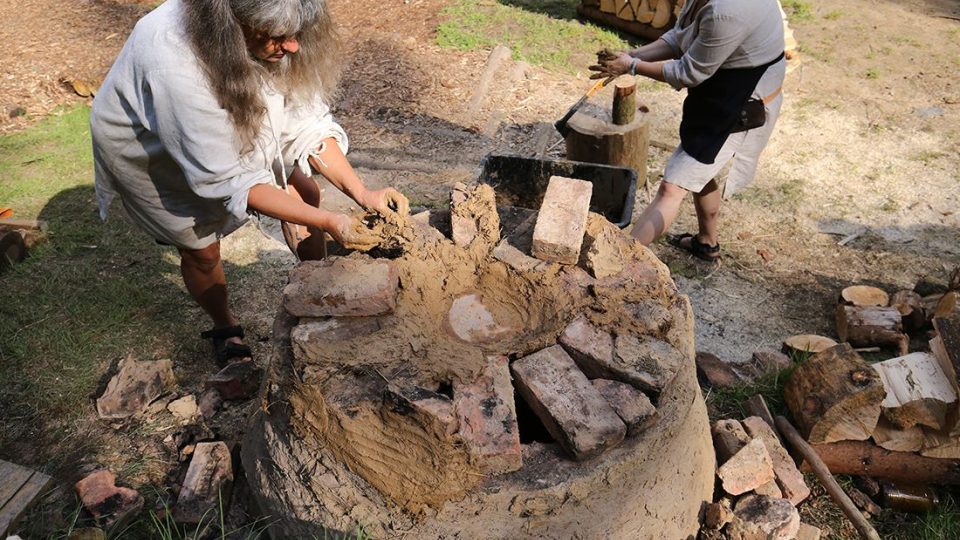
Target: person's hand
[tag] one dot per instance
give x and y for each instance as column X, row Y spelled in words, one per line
column 351, row 233
column 611, row 64
column 386, row 201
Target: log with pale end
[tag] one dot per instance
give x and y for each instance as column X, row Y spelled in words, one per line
column 864, row 295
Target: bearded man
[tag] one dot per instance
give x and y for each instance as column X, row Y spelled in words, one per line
column 216, row 109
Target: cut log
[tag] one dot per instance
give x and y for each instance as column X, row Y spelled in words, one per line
column 807, row 343
column 864, row 296
column 891, row 437
column 636, row 28
column 626, row 12
column 940, row 445
column 645, row 12
column 945, row 346
column 608, row 6
column 918, row 391
column 870, row 326
column 595, row 137
column 664, row 13
column 943, row 305
column 866, row 459
column 624, row 101
column 835, row 396
column 910, row 306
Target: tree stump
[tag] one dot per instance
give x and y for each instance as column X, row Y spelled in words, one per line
column 835, row 396
column 869, row 326
column 595, row 138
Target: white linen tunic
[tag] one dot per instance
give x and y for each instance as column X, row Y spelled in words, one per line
column 728, row 34
column 166, row 147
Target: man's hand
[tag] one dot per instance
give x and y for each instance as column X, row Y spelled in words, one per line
column 385, row 201
column 611, row 64
column 350, row 233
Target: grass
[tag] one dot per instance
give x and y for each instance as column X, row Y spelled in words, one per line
column 727, row 402
column 833, row 15
column 798, row 10
column 541, row 32
column 872, row 74
column 786, row 195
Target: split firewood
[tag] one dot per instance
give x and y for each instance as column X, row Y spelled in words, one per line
column 807, row 343
column 626, row 12
column 940, row 445
column 945, row 346
column 910, row 306
column 891, row 437
column 608, row 6
column 943, row 305
column 868, row 326
column 663, row 14
column 918, row 391
column 835, row 396
column 645, row 12
column 863, row 296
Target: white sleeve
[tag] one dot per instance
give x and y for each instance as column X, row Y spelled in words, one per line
column 305, row 127
column 718, row 37
column 199, row 136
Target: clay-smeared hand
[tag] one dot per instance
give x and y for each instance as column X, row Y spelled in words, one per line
column 351, row 233
column 611, row 64
column 386, row 201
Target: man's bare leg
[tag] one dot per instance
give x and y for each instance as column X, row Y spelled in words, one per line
column 657, row 217
column 202, row 272
column 707, row 204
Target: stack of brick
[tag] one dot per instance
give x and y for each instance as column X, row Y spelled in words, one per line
column 761, row 482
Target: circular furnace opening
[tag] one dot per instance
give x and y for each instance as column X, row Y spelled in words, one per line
column 452, row 385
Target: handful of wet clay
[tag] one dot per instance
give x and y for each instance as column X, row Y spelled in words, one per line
column 390, row 230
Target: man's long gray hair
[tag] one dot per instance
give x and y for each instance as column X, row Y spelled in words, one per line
column 237, row 78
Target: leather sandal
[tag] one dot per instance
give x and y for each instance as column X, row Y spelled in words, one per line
column 223, row 350
column 695, row 247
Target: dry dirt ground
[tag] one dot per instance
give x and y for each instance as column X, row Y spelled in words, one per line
column 867, row 145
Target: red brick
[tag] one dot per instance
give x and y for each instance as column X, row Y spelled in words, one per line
column 808, row 532
column 487, row 417
column 238, row 380
column 588, row 345
column 562, row 220
column 715, row 372
column 107, row 502
column 339, row 286
column 433, row 409
column 728, row 438
column 789, row 478
column 134, row 386
column 207, row 485
column 630, row 404
column 571, row 409
column 747, row 470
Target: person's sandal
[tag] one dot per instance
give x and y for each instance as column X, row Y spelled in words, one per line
column 698, row 249
column 224, row 350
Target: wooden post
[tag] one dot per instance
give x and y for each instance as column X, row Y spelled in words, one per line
column 624, row 101
column 827, row 480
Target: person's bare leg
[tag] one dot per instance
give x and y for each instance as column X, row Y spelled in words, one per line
column 313, row 245
column 202, row 272
column 657, row 217
column 707, row 204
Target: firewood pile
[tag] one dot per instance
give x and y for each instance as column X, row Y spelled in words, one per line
column 893, row 424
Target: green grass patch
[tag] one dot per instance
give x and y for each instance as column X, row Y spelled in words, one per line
column 872, row 74
column 539, row 32
column 798, row 10
column 91, row 293
column 833, row 15
column 786, row 195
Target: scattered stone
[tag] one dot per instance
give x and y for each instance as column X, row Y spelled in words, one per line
column 769, row 361
column 158, row 405
column 862, row 501
column 184, row 409
column 747, row 470
column 562, row 220
column 207, row 486
column 86, row 533
column 630, row 404
column 238, row 380
column 16, row 112
column 134, row 386
column 756, row 517
column 589, row 346
column 728, row 438
column 342, row 286
column 188, row 434
column 210, row 401
column 487, row 418
column 571, row 409
column 107, row 502
column 808, row 532
column 718, row 514
column 715, row 372
column 770, row 489
column 789, row 478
